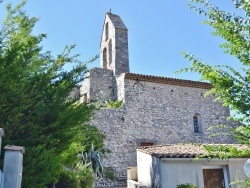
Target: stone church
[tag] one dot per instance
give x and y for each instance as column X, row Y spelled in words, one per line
column 155, row 110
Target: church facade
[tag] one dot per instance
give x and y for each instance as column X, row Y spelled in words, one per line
column 155, row 110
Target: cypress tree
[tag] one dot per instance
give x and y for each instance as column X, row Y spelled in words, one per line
column 35, row 109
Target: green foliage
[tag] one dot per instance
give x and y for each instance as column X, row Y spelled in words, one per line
column 114, row 104
column 230, row 86
column 109, row 174
column 187, row 185
column 94, row 158
column 35, row 110
column 81, row 170
column 86, row 178
column 108, row 103
column 91, row 138
column 79, row 177
column 240, row 183
column 226, row 151
column 43, row 163
column 242, row 134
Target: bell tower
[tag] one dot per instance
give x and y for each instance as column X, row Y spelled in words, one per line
column 114, row 45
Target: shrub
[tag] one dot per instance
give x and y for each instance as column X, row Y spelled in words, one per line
column 114, row 104
column 187, row 185
column 79, row 177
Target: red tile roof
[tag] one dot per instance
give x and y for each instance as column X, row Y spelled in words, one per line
column 166, row 80
column 183, row 150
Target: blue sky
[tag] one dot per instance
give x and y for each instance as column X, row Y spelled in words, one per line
column 158, row 32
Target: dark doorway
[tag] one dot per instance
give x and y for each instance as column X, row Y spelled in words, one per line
column 146, row 144
column 213, row 178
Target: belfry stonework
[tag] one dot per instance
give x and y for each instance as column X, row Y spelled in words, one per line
column 155, row 110
column 114, row 45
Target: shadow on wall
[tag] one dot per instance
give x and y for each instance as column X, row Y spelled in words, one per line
column 155, row 173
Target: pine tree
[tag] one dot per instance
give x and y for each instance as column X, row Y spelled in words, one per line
column 232, row 87
column 35, row 110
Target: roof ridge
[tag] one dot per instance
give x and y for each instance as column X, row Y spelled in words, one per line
column 168, row 80
column 181, row 150
column 127, row 73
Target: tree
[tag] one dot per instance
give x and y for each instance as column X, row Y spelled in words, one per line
column 229, row 85
column 35, row 109
column 232, row 87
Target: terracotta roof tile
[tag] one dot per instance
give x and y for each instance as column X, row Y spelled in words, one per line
column 166, row 80
column 182, row 150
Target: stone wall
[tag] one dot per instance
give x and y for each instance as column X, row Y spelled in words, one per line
column 121, row 55
column 152, row 112
column 107, row 41
column 159, row 113
column 120, row 87
column 85, row 88
column 114, row 45
column 99, row 85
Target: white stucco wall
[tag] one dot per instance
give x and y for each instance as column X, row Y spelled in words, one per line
column 169, row 172
column 236, row 170
column 175, row 171
column 120, row 87
column 181, row 171
column 144, row 164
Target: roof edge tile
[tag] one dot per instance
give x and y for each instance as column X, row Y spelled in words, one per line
column 167, row 80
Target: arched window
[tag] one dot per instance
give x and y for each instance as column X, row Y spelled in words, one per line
column 110, row 51
column 106, row 31
column 197, row 123
column 104, row 58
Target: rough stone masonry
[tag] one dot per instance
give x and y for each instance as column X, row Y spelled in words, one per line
column 155, row 110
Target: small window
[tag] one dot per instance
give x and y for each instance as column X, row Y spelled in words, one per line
column 107, row 31
column 146, row 144
column 104, row 58
column 110, row 51
column 197, row 123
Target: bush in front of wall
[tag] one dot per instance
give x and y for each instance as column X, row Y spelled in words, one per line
column 114, row 104
column 187, row 185
column 109, row 174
